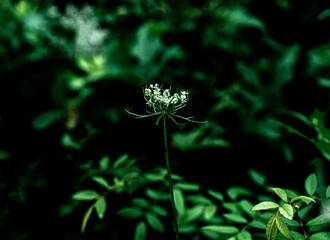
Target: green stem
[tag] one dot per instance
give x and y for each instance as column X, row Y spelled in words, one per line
column 169, row 175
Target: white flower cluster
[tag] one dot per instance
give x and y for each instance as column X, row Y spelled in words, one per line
column 162, row 100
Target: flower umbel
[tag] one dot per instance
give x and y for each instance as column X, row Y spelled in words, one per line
column 164, row 104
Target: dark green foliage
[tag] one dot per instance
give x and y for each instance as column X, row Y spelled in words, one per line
column 72, row 160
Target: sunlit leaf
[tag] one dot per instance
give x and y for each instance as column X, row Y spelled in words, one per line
column 282, row 228
column 281, row 193
column 305, row 199
column 287, row 211
column 271, row 228
column 265, row 206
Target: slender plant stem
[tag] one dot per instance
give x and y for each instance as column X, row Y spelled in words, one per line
column 169, row 175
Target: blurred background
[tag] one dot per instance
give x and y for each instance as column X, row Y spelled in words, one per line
column 70, row 69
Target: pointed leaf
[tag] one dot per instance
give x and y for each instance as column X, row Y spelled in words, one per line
column 317, row 221
column 179, row 201
column 215, row 194
column 321, row 236
column 85, row 195
column 140, row 231
column 305, row 199
column 271, row 228
column 311, row 184
column 283, row 229
column 154, row 222
column 265, row 206
column 86, row 217
column 100, row 207
column 187, row 186
column 235, row 217
column 257, row 177
column 287, row 211
column 281, row 193
column 101, row 181
column 221, row 229
column 130, row 212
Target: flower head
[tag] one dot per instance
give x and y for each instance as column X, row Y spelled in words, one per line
column 163, row 103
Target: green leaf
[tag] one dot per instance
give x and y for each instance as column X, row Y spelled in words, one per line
column 281, row 193
column 257, row 177
column 245, row 235
column 235, row 218
column 129, row 212
column 257, row 224
column 154, row 222
column 85, row 195
column 305, row 199
column 327, row 192
column 159, row 210
column 311, row 184
column 235, row 192
column 44, row 120
column 216, row 195
column 100, row 207
column 179, row 201
column 221, row 229
column 187, row 186
column 210, row 212
column 318, row 221
column 104, row 163
column 271, row 228
column 156, row 195
column 298, row 236
column 121, row 160
column 265, row 206
column 141, row 202
column 283, row 229
column 140, row 231
column 86, row 217
column 101, row 181
column 193, row 213
column 320, row 236
column 287, row 211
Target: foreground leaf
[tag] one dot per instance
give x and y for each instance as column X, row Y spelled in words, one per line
column 317, row 221
column 265, row 206
column 271, row 228
column 281, row 193
column 287, row 211
column 305, row 199
column 321, row 236
column 284, row 230
column 244, row 236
